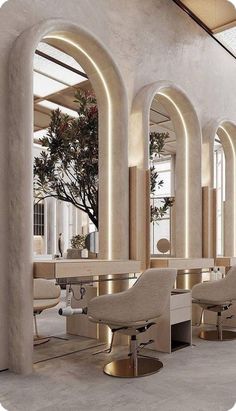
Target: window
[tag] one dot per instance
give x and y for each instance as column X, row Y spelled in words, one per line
column 39, row 219
column 162, row 228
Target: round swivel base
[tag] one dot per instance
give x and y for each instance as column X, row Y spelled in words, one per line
column 212, row 335
column 123, row 368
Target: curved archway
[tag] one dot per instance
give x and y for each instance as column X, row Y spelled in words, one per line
column 113, row 165
column 226, row 131
column 188, row 164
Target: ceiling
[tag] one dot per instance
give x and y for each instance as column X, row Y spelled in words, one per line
column 160, row 121
column 218, row 17
column 56, row 78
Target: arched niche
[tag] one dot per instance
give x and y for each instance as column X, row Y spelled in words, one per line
column 226, row 131
column 188, row 231
column 113, row 166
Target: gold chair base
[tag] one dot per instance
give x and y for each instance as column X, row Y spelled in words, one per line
column 212, row 335
column 124, row 368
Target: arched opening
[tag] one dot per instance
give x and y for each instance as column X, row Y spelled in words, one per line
column 219, row 166
column 113, row 170
column 187, row 169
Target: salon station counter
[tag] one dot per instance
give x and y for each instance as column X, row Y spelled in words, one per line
column 226, row 262
column 66, row 268
column 182, row 263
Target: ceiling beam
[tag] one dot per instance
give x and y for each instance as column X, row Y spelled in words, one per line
column 60, row 63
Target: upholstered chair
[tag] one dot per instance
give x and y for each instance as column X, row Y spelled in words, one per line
column 132, row 312
column 217, row 296
column 46, row 295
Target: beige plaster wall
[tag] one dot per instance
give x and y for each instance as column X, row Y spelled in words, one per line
column 149, row 40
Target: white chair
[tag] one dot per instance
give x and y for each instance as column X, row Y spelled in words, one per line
column 217, row 296
column 46, row 295
column 132, row 312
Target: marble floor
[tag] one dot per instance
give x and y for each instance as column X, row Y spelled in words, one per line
column 197, row 378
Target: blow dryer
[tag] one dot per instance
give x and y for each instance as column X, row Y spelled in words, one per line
column 68, row 311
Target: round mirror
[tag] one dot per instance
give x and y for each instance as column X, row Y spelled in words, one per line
column 163, row 245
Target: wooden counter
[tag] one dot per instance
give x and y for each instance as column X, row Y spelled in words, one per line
column 182, row 263
column 65, row 268
column 225, row 261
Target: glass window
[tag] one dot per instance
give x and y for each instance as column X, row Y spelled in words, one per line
column 59, row 55
column 44, row 86
column 162, row 228
column 51, row 69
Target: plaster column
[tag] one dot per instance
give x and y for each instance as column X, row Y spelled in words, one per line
column 20, row 184
column 51, row 226
column 113, row 179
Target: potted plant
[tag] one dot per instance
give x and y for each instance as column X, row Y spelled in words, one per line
column 77, row 245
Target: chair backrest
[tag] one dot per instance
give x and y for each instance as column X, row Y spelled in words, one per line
column 146, row 300
column 229, row 282
column 151, row 292
column 45, row 289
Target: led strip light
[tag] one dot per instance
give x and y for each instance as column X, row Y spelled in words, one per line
column 234, row 184
column 109, row 130
column 186, row 167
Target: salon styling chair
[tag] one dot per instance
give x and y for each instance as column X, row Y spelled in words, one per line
column 46, row 295
column 217, row 296
column 132, row 312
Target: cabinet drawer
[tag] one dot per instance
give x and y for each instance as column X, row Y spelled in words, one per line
column 180, row 300
column 180, row 314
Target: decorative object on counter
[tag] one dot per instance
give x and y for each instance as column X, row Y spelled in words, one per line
column 216, row 274
column 60, row 245
column 92, row 244
column 163, row 245
column 78, row 241
column 78, row 245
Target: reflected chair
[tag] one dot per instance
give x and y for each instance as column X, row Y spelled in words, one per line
column 46, row 295
column 217, row 296
column 132, row 312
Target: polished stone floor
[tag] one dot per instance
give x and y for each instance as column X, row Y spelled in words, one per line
column 197, row 378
